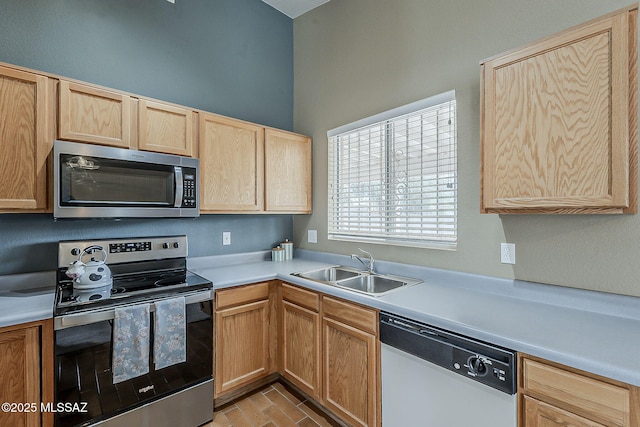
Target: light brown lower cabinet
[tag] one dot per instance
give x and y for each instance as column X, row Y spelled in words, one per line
column 244, row 333
column 552, row 395
column 326, row 347
column 301, row 339
column 26, row 357
column 350, row 362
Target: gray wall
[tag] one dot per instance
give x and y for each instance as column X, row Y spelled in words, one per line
column 29, row 242
column 233, row 57
column 355, row 58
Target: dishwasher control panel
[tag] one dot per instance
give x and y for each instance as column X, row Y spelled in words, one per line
column 486, row 363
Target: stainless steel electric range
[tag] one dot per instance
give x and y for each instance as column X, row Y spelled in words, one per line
column 94, row 314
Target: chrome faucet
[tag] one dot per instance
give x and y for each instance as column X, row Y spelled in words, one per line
column 368, row 264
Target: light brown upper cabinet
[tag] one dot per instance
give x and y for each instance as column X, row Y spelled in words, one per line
column 559, row 122
column 165, row 128
column 26, row 138
column 93, row 115
column 231, row 156
column 287, row 172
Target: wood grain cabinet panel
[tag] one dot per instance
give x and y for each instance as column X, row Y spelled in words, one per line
column 301, row 339
column 93, row 115
column 540, row 414
column 351, row 360
column 242, row 342
column 26, row 356
column 231, row 156
column 165, row 128
column 559, row 122
column 25, row 140
column 245, row 323
column 555, row 395
column 287, row 172
column 350, row 373
column 301, row 347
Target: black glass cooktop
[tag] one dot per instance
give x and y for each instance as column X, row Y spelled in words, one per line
column 133, row 282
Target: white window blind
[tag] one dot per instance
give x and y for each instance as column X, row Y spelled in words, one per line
column 392, row 177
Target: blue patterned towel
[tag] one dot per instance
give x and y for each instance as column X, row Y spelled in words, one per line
column 130, row 342
column 170, row 335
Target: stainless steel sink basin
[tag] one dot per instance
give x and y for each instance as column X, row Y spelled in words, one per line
column 329, row 275
column 375, row 284
column 358, row 281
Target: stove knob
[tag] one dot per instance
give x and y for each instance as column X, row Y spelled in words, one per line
column 165, row 245
column 75, row 251
column 176, row 245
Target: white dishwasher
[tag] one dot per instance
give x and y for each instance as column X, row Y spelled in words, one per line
column 435, row 378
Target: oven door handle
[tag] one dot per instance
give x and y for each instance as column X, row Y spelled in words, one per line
column 86, row 318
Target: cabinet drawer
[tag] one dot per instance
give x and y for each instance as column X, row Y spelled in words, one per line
column 304, row 298
column 580, row 393
column 351, row 314
column 241, row 295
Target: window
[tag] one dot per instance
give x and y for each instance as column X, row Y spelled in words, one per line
column 392, row 176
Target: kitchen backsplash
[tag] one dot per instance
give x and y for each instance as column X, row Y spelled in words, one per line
column 29, row 242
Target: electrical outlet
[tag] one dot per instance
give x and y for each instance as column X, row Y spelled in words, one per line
column 508, row 253
column 226, row 238
column 312, row 236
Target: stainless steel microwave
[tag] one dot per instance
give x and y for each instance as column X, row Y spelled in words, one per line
column 92, row 181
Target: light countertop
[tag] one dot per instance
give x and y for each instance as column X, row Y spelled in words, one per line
column 596, row 332
column 26, row 298
column 592, row 331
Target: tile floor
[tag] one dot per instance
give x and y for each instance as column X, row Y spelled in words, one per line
column 272, row 406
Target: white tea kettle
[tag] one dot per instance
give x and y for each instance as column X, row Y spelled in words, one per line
column 93, row 274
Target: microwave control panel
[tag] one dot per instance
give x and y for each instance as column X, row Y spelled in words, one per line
column 190, row 189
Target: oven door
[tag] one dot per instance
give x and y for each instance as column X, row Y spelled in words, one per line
column 84, row 381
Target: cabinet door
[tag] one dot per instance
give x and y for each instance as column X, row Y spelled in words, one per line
column 350, row 373
column 94, row 115
column 242, row 345
column 287, row 172
column 165, row 128
column 540, row 414
column 231, row 156
column 584, row 394
column 559, row 122
column 25, row 142
column 20, row 381
column 301, row 347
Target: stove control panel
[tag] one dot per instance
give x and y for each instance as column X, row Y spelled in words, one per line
column 129, row 247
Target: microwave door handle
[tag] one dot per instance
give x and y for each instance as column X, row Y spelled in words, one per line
column 179, row 186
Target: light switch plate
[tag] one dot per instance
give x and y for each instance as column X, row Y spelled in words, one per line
column 226, row 238
column 312, row 236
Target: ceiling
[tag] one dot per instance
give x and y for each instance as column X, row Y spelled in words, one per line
column 294, row 8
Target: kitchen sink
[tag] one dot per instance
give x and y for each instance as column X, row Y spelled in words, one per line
column 375, row 283
column 358, row 281
column 330, row 275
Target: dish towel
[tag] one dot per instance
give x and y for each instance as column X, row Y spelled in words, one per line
column 130, row 353
column 170, row 343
